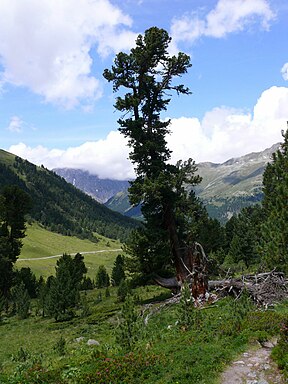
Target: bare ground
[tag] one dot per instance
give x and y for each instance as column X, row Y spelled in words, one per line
column 254, row 367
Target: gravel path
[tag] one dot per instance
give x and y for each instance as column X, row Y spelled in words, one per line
column 254, row 367
column 72, row 254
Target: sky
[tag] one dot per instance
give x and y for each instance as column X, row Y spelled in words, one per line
column 56, row 108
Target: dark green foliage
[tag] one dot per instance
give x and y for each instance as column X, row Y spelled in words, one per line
column 62, row 208
column 2, row 305
column 123, row 290
column 237, row 312
column 87, row 284
column 128, row 331
column 43, row 294
column 107, row 292
column 29, row 280
column 14, row 204
column 64, row 288
column 242, row 236
column 21, row 300
column 102, row 278
column 274, row 244
column 85, row 308
column 118, row 273
column 60, row 346
column 280, row 352
column 148, row 75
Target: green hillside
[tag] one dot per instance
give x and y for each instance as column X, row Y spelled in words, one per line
column 58, row 205
column 40, row 246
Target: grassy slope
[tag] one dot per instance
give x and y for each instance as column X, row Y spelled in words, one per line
column 41, row 243
column 6, row 157
column 165, row 353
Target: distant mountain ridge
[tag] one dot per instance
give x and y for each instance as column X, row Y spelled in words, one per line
column 228, row 187
column 100, row 189
column 224, row 190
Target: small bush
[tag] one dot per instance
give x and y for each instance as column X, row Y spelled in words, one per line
column 60, row 346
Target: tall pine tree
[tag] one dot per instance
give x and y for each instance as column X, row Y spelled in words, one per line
column 148, row 75
column 14, row 204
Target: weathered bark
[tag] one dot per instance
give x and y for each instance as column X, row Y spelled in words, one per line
column 190, row 263
column 264, row 288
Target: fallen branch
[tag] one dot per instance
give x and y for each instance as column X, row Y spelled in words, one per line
column 265, row 288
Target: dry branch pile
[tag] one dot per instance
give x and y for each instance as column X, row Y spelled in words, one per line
column 264, row 288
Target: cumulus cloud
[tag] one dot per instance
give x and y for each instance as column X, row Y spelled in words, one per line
column 284, row 71
column 223, row 133
column 226, row 132
column 107, row 158
column 47, row 45
column 15, row 125
column 227, row 17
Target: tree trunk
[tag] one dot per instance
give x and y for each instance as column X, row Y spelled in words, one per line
column 190, row 262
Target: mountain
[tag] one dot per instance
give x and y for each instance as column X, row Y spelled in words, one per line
column 225, row 188
column 237, row 183
column 100, row 189
column 58, row 205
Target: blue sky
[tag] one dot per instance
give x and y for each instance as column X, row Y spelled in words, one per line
column 57, row 110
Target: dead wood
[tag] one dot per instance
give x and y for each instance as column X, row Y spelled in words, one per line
column 264, row 288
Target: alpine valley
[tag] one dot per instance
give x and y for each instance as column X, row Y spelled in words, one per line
column 225, row 188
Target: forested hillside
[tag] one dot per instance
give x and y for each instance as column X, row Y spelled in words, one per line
column 58, row 205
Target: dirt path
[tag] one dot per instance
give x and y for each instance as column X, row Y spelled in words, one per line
column 72, row 254
column 254, row 367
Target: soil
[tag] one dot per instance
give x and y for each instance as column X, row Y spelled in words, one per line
column 254, row 367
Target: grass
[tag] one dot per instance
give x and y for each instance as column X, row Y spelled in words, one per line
column 164, row 352
column 6, row 157
column 40, row 243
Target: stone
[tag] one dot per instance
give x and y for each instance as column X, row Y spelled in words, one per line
column 93, row 342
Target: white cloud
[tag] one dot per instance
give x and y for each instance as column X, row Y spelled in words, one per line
column 284, row 71
column 47, row 45
column 227, row 17
column 222, row 134
column 15, row 125
column 226, row 132
column 108, row 158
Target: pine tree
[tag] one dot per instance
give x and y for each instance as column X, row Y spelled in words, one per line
column 129, row 329
column 274, row 245
column 14, row 204
column 64, row 288
column 102, row 278
column 148, row 74
column 118, row 273
column 21, row 300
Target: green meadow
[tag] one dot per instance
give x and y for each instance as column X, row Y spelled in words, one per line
column 40, row 244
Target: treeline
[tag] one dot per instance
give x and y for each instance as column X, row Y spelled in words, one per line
column 62, row 208
column 59, row 296
column 255, row 240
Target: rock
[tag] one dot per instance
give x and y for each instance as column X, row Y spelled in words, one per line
column 268, row 344
column 266, row 367
column 240, row 362
column 78, row 339
column 93, row 342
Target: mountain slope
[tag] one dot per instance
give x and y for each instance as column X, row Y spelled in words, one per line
column 101, row 189
column 225, row 188
column 58, row 205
